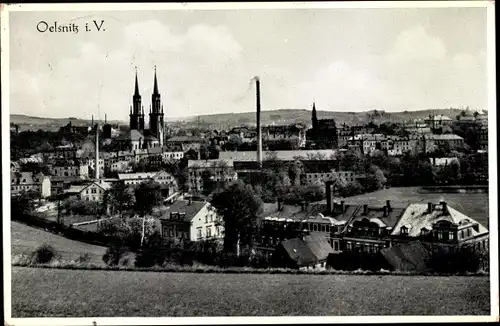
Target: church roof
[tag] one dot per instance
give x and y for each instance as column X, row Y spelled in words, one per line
column 132, row 135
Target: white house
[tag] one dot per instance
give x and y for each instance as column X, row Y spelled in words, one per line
column 93, row 191
column 192, row 221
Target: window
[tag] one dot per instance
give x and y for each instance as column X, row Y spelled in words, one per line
column 462, row 234
column 209, row 232
column 440, row 235
column 468, row 232
column 198, row 233
column 336, row 246
column 451, row 236
column 93, row 190
column 315, row 227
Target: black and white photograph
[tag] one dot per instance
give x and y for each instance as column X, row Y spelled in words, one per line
column 254, row 162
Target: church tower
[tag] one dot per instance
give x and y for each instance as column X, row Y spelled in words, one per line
column 314, row 117
column 156, row 121
column 136, row 110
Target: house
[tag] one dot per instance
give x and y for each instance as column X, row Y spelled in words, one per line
column 289, row 155
column 439, row 224
column 322, row 177
column 22, row 182
column 186, row 143
column 191, row 221
column 70, row 169
column 436, row 121
column 369, row 228
column 308, row 251
column 89, row 191
column 219, row 171
column 161, row 177
column 275, row 133
column 432, row 142
column 443, row 161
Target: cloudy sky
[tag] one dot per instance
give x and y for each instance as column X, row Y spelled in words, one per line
column 344, row 59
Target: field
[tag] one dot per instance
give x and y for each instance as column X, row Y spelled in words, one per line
column 473, row 205
column 25, row 239
column 83, row 293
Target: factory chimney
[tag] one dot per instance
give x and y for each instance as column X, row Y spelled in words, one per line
column 259, row 132
column 96, row 165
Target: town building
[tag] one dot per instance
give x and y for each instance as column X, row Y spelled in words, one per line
column 188, row 220
column 24, row 182
column 431, row 142
column 186, row 143
column 162, row 177
column 439, row 223
column 274, row 134
column 217, row 171
column 93, row 191
column 290, row 155
column 437, row 121
column 70, row 169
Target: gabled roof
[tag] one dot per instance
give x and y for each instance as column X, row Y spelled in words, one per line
column 416, row 217
column 183, row 206
column 76, row 189
column 311, row 250
column 408, row 257
column 26, row 178
column 376, row 215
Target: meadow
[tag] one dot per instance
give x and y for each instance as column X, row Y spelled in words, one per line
column 38, row 292
column 25, row 239
column 474, row 205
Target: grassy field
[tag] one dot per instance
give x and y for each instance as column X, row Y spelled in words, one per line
column 25, row 239
column 473, row 205
column 79, row 293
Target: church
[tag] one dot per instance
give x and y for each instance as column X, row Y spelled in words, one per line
column 138, row 137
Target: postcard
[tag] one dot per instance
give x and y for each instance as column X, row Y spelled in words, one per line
column 292, row 162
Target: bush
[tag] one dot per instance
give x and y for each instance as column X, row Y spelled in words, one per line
column 84, row 258
column 44, row 254
column 114, row 255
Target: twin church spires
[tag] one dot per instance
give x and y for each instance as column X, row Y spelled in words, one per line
column 156, row 116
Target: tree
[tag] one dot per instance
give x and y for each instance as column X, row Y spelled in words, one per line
column 120, row 198
column 375, row 179
column 22, row 205
column 147, row 195
column 238, row 205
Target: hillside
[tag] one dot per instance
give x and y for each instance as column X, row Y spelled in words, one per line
column 289, row 116
column 25, row 239
column 228, row 120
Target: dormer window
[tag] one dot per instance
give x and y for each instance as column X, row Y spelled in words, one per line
column 404, row 230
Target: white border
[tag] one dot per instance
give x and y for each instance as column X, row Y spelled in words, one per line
column 493, row 207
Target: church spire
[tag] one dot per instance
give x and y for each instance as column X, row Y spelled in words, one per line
column 155, row 91
column 136, row 93
column 314, row 117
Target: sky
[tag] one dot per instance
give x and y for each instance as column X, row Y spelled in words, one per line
column 343, row 59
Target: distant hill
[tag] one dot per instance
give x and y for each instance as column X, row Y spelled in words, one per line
column 229, row 120
column 289, row 116
column 29, row 122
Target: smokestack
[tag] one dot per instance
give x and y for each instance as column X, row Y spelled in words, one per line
column 365, row 209
column 388, row 204
column 280, row 204
column 342, row 206
column 429, row 207
column 92, row 121
column 329, row 201
column 385, row 211
column 96, row 165
column 259, row 132
column 105, row 118
column 445, row 207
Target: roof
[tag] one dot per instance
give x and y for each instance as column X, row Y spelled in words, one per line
column 281, row 155
column 76, row 189
column 182, row 206
column 408, row 257
column 137, row 175
column 312, row 249
column 155, row 150
column 299, row 251
column 186, row 139
column 416, row 217
column 376, row 215
column 443, row 137
column 438, row 117
column 29, row 177
column 312, row 213
column 210, row 163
